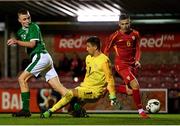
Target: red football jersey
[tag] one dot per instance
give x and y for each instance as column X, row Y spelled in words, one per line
column 126, row 47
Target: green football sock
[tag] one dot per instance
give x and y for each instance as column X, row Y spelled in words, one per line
column 25, row 99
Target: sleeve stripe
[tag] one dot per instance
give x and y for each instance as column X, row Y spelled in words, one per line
column 34, row 39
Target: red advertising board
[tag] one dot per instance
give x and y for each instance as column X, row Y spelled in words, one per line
column 42, row 99
column 148, row 42
column 160, row 42
column 75, row 42
column 11, row 100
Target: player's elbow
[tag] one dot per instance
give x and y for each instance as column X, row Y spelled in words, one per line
column 32, row 44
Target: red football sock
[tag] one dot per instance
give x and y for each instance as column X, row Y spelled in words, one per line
column 137, row 98
column 122, row 89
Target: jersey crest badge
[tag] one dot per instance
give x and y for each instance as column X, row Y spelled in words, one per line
column 133, row 37
column 23, row 36
column 128, row 77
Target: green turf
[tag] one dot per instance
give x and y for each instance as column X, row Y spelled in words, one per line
column 94, row 119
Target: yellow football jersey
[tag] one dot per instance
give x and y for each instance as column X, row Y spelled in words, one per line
column 98, row 73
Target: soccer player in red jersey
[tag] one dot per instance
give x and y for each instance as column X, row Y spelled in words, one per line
column 125, row 42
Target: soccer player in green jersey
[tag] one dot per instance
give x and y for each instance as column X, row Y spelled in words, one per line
column 98, row 78
column 29, row 36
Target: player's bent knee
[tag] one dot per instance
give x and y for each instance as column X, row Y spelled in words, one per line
column 134, row 84
column 21, row 80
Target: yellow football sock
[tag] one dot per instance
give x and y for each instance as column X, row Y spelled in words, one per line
column 63, row 101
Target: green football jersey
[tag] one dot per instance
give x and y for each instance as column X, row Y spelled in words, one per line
column 32, row 33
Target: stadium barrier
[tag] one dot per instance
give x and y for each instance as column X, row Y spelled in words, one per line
column 42, row 99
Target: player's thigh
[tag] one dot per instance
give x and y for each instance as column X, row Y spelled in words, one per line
column 51, row 73
column 88, row 93
column 127, row 75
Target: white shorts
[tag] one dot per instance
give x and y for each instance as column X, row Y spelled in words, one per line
column 42, row 63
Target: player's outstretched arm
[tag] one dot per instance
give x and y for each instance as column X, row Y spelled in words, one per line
column 14, row 41
column 109, row 80
column 111, row 85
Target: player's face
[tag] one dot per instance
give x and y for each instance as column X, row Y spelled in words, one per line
column 91, row 49
column 24, row 19
column 124, row 25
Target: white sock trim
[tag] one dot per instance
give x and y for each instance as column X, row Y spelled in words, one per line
column 140, row 110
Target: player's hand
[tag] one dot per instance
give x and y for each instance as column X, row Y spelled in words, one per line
column 116, row 104
column 137, row 64
column 113, row 102
column 112, row 97
column 12, row 41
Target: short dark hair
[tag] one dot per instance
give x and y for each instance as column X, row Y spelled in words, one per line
column 22, row 11
column 94, row 41
column 124, row 16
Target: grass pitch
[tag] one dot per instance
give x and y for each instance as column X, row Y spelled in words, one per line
column 94, row 119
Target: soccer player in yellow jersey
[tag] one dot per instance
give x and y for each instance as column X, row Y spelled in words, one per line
column 98, row 78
